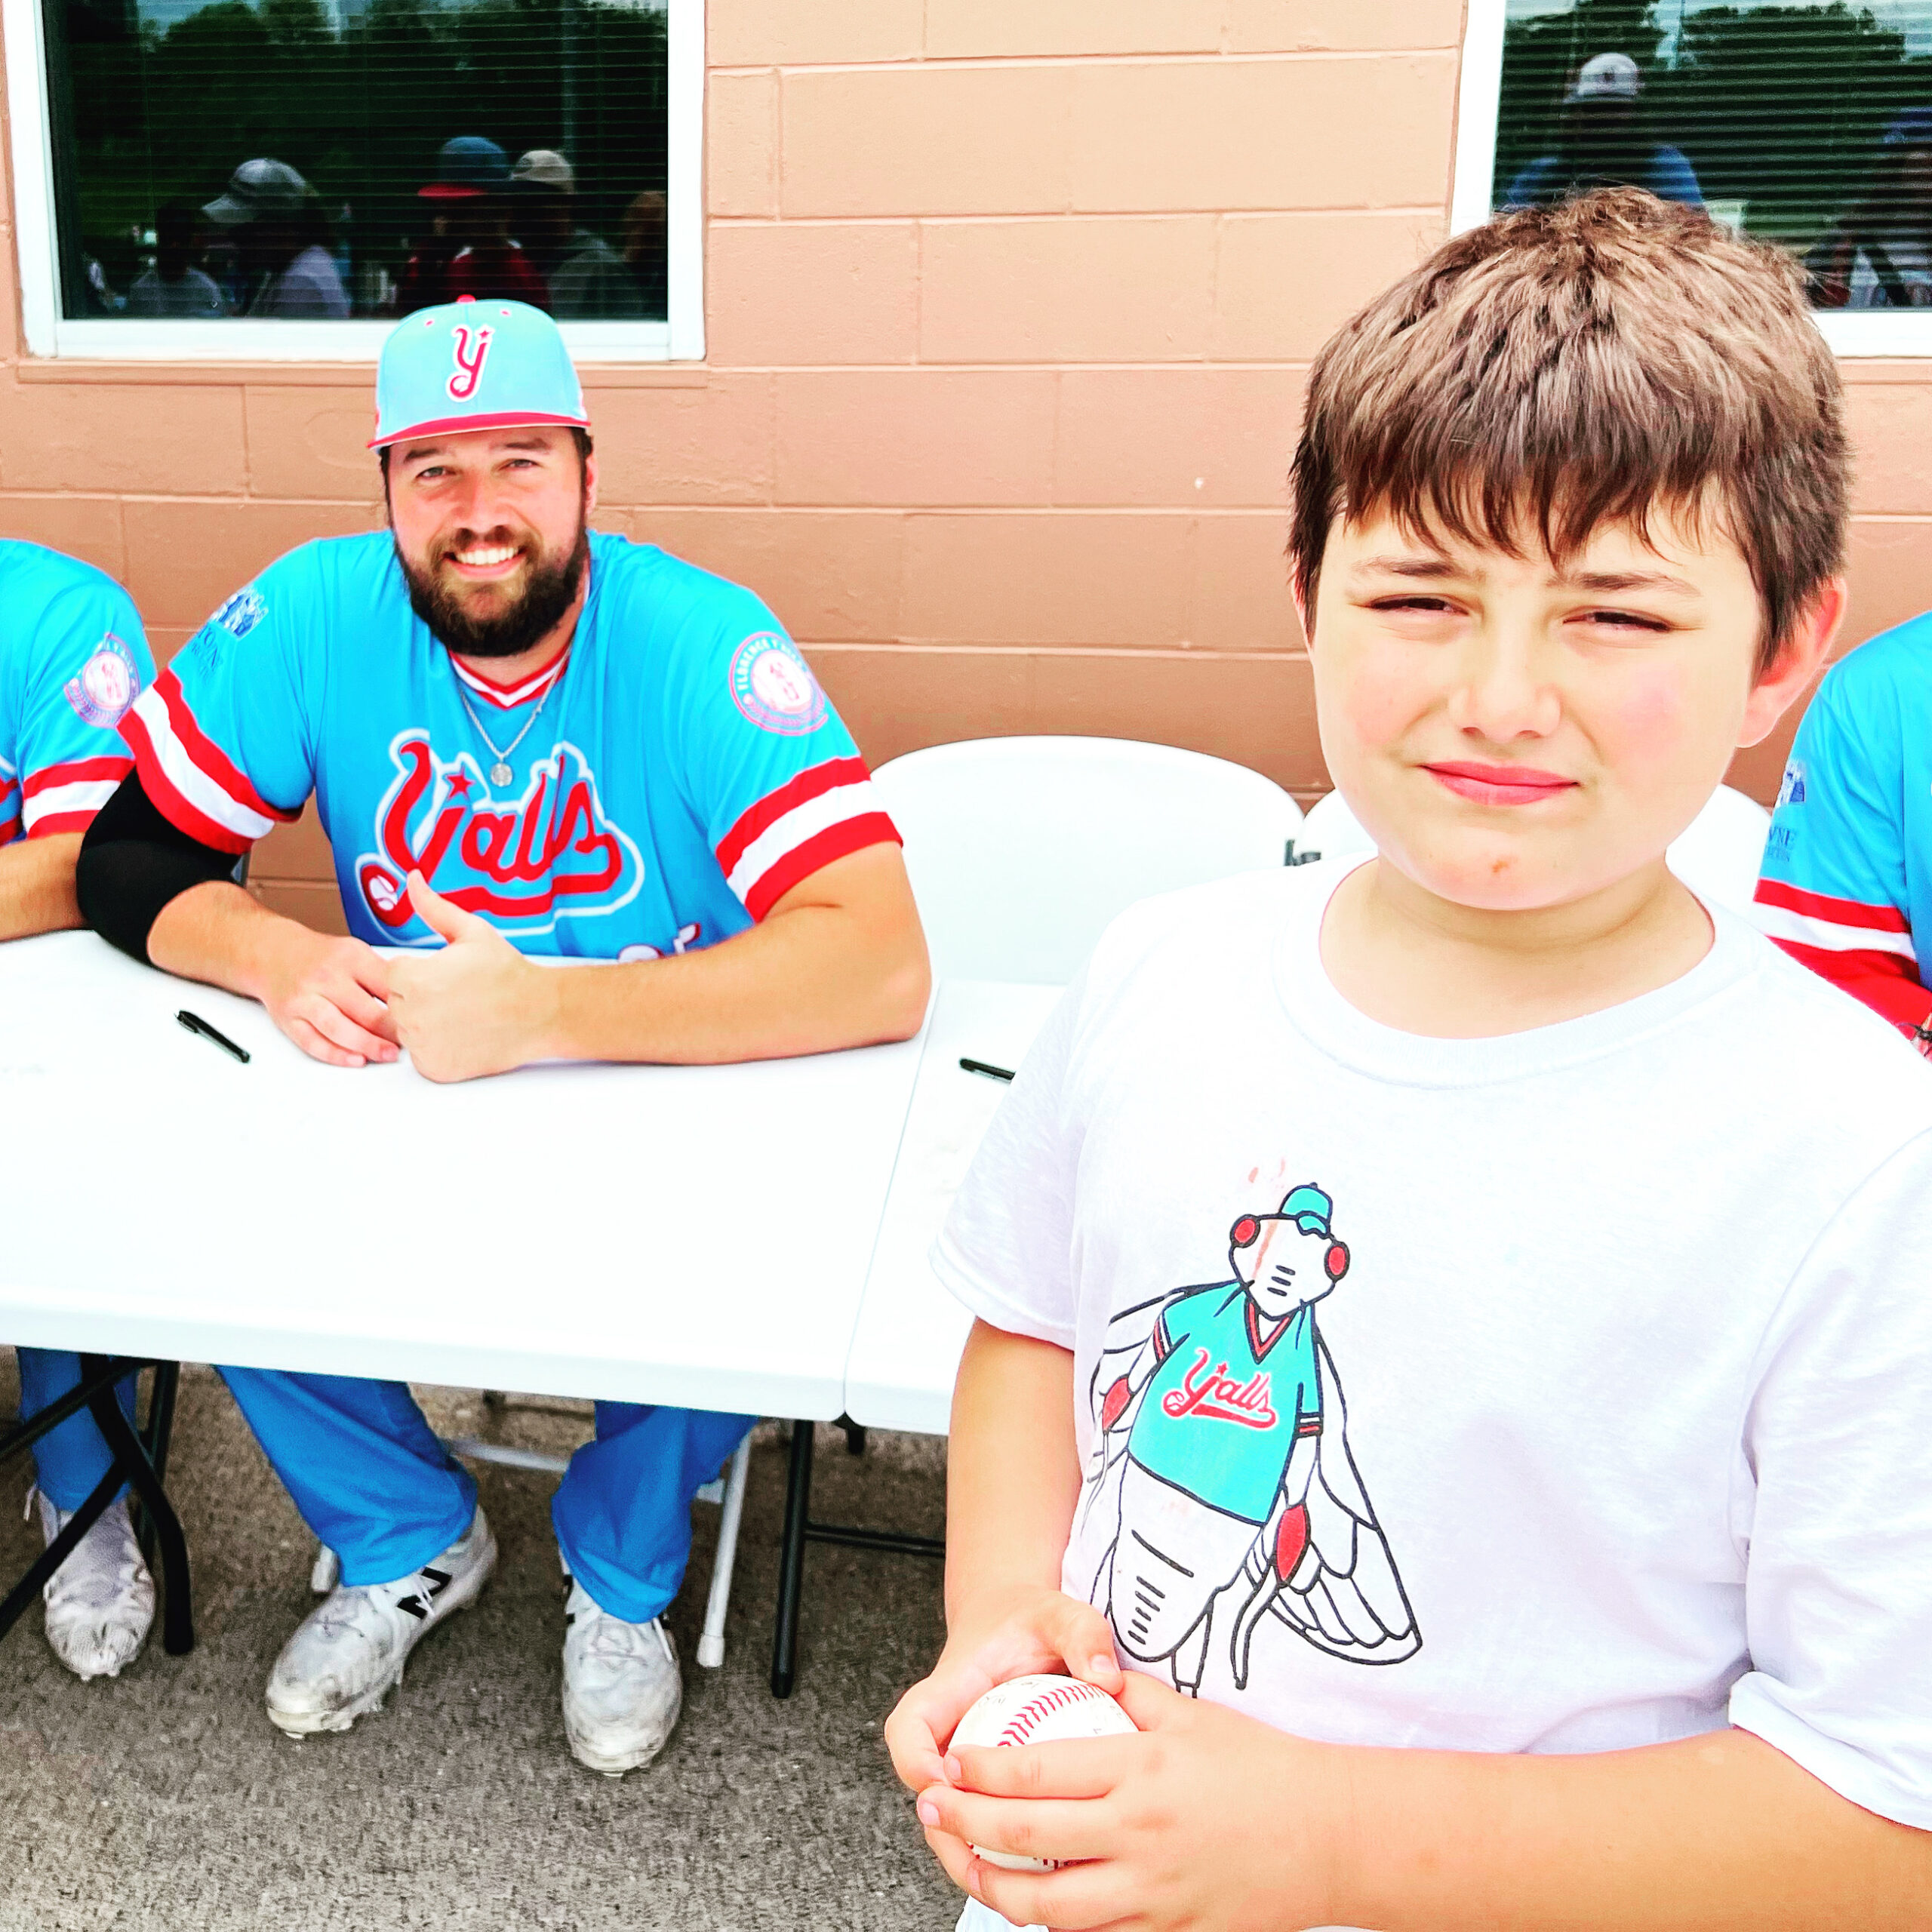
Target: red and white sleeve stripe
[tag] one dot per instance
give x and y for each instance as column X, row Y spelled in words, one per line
column 823, row 814
column 10, row 805
column 1818, row 923
column 1866, row 951
column 64, row 798
column 193, row 782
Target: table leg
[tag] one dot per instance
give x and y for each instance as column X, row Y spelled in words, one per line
column 155, row 1438
column 792, row 1560
column 126, row 1448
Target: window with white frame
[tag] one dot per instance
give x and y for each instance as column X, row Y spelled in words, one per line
column 247, row 179
column 1807, row 122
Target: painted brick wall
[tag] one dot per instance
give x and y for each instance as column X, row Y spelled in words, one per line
column 1009, row 304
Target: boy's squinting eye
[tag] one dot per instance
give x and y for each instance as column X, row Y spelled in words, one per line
column 1621, row 620
column 1429, row 606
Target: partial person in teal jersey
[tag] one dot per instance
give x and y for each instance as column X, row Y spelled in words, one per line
column 73, row 661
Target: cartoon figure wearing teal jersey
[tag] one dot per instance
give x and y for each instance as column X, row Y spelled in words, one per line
column 1223, row 1436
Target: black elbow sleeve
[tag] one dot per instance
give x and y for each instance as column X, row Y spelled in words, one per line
column 133, row 862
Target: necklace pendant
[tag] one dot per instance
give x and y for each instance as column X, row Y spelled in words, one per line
column 500, row 774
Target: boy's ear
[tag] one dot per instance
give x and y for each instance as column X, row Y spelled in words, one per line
column 1790, row 673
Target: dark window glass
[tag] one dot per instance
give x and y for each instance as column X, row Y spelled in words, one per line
column 217, row 157
column 1806, row 122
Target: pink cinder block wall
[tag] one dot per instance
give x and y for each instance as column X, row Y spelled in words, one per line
column 1009, row 306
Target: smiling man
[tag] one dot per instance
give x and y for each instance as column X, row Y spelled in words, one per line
column 525, row 739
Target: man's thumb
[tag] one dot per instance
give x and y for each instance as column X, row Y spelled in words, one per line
column 435, row 911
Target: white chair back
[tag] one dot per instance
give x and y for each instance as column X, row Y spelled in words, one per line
column 1718, row 854
column 1022, row 850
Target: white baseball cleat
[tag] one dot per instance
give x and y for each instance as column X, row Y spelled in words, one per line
column 622, row 1691
column 101, row 1602
column 347, row 1654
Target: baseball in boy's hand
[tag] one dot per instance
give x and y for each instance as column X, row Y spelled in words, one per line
column 1038, row 1710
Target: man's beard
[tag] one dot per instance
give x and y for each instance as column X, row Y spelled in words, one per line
column 550, row 591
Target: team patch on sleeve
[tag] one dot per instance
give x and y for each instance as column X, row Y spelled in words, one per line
column 241, row 613
column 104, row 689
column 824, row 813
column 773, row 686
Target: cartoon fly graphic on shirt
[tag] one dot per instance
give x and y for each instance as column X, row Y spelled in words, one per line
column 1223, row 1436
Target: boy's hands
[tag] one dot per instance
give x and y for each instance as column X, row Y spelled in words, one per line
column 1207, row 1818
column 1020, row 1630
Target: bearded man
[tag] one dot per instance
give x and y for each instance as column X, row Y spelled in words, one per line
column 525, row 739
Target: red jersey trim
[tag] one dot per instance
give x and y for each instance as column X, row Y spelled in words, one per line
column 1883, row 981
column 167, row 800
column 835, row 841
column 1823, row 905
column 53, row 823
column 78, row 771
column 208, row 757
column 507, row 697
column 811, row 783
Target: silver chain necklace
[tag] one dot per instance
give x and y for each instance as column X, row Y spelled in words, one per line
column 500, row 774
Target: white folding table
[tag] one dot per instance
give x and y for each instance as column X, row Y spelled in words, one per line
column 905, row 1345
column 696, row 1235
column 910, row 1330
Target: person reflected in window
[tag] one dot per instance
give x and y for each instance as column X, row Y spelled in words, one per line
column 1878, row 254
column 589, row 280
column 1603, row 140
column 176, row 285
column 470, row 251
column 645, row 229
column 284, row 242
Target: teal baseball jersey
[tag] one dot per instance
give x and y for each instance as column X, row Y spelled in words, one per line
column 1847, row 888
column 659, row 787
column 1222, row 1410
column 73, row 660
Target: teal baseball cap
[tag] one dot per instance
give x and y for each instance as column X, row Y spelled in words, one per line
column 475, row 365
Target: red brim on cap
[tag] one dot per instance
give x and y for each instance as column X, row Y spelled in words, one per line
column 461, row 425
column 448, row 191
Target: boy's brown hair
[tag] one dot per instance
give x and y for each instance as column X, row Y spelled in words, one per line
column 1560, row 368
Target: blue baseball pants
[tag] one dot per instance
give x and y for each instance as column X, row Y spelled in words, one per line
column 371, row 1480
column 69, row 1460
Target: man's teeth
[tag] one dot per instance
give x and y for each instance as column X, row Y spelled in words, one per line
column 483, row 558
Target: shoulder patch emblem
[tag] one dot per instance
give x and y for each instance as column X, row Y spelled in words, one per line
column 241, row 613
column 1791, row 789
column 773, row 686
column 103, row 692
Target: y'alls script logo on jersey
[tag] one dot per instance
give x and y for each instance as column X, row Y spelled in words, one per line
column 550, row 855
column 775, row 687
column 472, row 346
column 103, row 692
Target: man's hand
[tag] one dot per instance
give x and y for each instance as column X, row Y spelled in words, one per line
column 476, row 1008
column 1207, row 1819
column 328, row 994
column 1040, row 1630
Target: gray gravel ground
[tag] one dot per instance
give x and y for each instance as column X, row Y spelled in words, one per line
column 164, row 1799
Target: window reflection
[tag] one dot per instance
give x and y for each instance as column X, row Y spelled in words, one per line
column 311, row 160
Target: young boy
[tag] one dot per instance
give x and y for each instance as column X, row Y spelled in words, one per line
column 1455, row 1327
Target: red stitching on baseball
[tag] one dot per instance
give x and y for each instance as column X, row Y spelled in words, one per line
column 1041, row 1705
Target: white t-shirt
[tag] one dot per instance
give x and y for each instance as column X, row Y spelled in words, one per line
column 1583, row 1397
